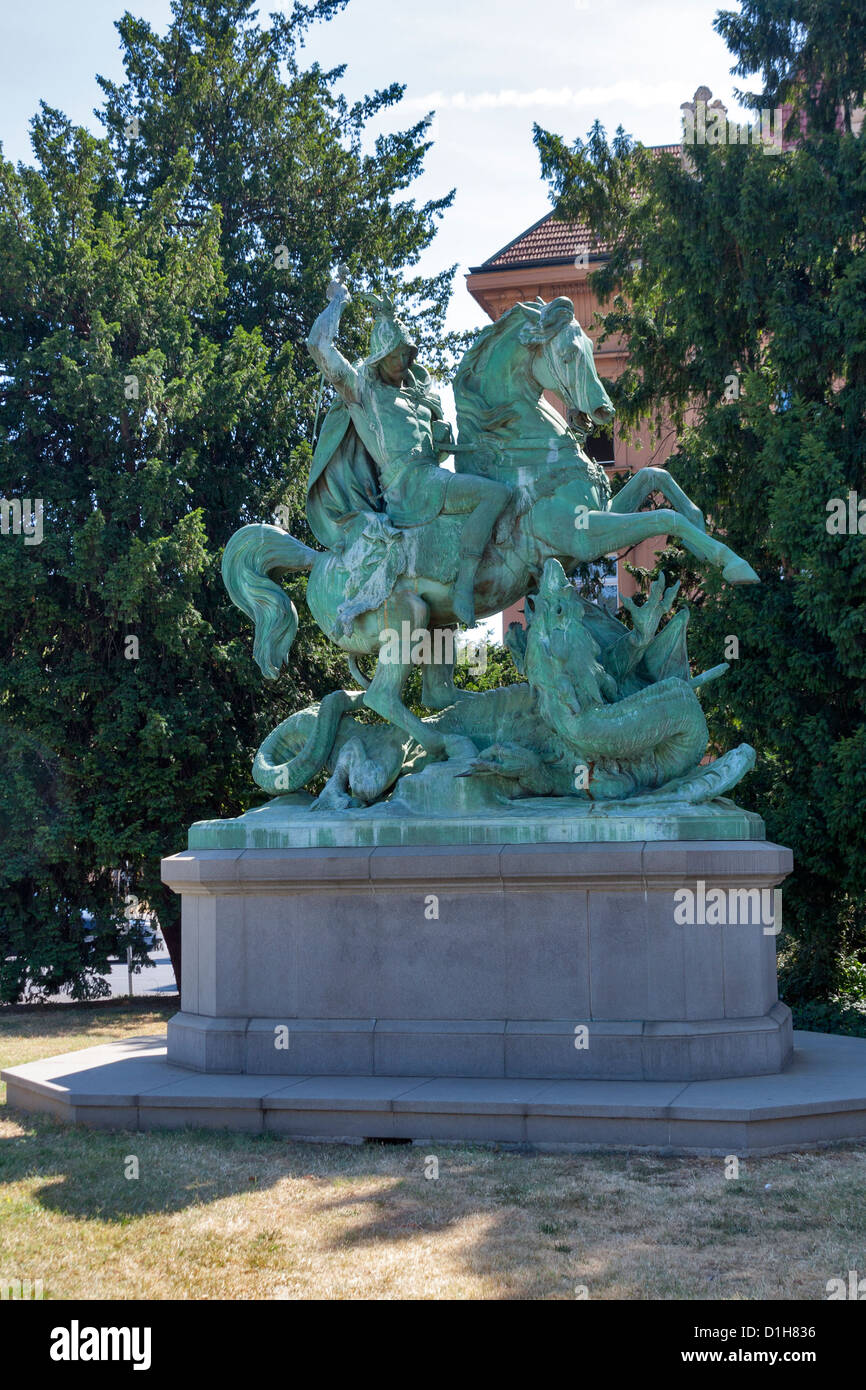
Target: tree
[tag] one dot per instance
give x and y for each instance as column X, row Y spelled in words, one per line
column 155, row 392
column 280, row 151
column 738, row 279
column 809, row 55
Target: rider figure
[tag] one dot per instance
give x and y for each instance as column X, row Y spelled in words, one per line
column 399, row 420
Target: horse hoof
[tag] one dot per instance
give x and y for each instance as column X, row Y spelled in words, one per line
column 739, row 571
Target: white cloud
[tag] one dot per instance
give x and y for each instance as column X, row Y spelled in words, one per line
column 639, row 94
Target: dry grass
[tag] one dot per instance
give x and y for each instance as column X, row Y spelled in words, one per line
column 226, row 1216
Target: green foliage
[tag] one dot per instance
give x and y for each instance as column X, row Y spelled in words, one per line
column 823, row 1016
column 155, row 392
column 498, row 669
column 277, row 148
column 809, row 54
column 738, row 280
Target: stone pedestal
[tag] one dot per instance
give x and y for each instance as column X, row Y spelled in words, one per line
column 483, row 961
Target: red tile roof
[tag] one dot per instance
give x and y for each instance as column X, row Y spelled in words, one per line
column 550, row 242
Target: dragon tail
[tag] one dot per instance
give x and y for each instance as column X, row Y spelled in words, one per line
column 284, row 763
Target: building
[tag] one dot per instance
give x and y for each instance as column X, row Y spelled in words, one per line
column 555, row 258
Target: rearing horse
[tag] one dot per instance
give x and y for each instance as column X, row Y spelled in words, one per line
column 562, row 510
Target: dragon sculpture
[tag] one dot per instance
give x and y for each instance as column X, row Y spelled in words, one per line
column 606, row 713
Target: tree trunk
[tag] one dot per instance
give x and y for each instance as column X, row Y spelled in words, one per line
column 169, row 921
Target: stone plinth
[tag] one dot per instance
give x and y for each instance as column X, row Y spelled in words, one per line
column 477, row 818
column 484, row 961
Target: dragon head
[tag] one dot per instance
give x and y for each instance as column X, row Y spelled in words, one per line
column 561, row 658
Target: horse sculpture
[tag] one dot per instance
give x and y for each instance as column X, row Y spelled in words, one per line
column 383, row 578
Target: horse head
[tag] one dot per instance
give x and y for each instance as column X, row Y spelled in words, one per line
column 563, row 361
column 532, row 348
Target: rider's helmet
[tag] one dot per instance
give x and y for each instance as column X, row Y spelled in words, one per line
column 388, row 335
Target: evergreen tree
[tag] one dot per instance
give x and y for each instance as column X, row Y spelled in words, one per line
column 157, row 286
column 739, row 280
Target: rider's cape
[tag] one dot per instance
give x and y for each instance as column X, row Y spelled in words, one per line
column 344, row 479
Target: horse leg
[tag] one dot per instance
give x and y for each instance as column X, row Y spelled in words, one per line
column 484, row 499
column 632, row 496
column 385, row 692
column 601, row 532
column 437, row 679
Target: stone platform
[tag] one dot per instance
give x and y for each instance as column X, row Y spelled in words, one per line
column 563, row 961
column 478, row 818
column 819, row 1099
column 522, row 992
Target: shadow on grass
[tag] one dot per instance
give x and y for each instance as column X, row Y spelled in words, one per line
column 89, row 1174
column 518, row 1227
column 82, row 1173
column 528, row 1225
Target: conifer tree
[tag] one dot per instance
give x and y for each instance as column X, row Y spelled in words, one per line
column 738, row 277
column 155, row 393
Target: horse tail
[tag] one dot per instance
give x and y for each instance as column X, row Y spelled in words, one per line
column 287, row 759
column 253, row 554
column 358, row 673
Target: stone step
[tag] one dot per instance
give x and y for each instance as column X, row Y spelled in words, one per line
column 819, row 1099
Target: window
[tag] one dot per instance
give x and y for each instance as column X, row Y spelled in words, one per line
column 599, row 447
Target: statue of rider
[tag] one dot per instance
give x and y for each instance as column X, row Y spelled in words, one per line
column 388, row 412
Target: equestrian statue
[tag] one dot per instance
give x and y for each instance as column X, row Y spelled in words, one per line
column 409, row 545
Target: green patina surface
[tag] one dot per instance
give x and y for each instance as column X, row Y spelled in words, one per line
column 287, row 823
column 605, row 738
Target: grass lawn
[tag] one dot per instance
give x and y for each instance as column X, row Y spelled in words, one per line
column 228, row 1216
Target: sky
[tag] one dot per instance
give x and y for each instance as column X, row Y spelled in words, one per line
column 489, row 68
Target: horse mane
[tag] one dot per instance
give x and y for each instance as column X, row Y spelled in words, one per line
column 474, row 416
column 475, row 357
column 533, row 324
